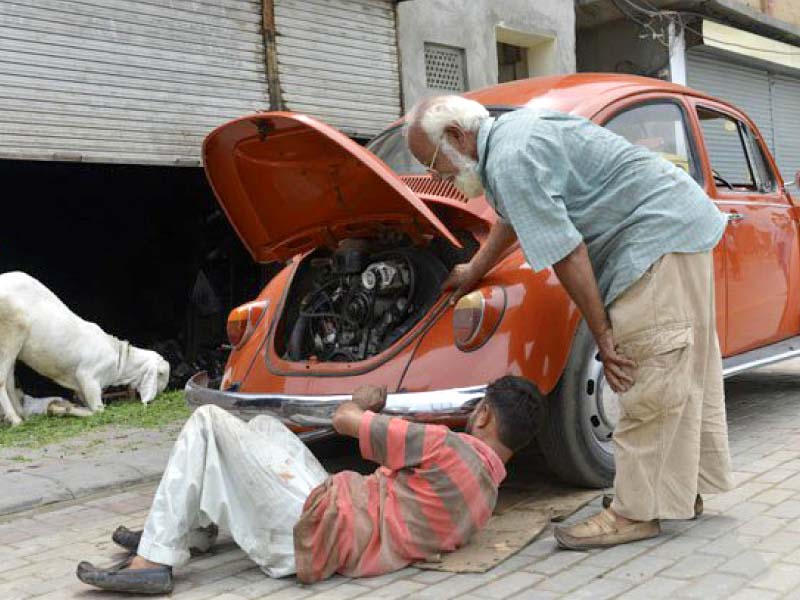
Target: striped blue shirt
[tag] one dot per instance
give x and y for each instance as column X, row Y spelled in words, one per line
column 560, row 179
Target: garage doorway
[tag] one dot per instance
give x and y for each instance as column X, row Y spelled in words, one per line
column 143, row 251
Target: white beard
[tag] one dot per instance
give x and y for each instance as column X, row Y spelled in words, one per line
column 468, row 181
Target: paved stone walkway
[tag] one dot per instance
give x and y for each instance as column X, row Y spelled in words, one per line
column 747, row 545
column 101, row 460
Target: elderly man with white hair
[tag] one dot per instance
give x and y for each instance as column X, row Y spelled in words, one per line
column 629, row 236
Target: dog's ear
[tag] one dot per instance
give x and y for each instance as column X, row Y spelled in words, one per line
column 148, row 386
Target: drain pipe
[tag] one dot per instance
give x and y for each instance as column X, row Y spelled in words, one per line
column 271, row 55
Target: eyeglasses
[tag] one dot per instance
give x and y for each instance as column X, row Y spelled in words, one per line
column 430, row 168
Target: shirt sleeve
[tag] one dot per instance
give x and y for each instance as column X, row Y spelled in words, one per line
column 527, row 183
column 501, row 215
column 397, row 443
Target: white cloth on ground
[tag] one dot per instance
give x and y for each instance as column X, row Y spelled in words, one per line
column 249, row 478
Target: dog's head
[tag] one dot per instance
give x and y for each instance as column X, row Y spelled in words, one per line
column 154, row 378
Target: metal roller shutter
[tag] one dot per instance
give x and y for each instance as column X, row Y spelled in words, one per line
column 771, row 100
column 744, row 87
column 786, row 110
column 128, row 81
column 337, row 60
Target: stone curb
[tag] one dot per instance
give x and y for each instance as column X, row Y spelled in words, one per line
column 35, row 486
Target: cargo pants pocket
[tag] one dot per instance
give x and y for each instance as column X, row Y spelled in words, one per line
column 662, row 378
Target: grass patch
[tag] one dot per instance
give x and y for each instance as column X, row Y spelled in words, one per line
column 39, row 430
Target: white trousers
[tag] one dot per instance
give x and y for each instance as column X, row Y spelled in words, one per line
column 249, row 478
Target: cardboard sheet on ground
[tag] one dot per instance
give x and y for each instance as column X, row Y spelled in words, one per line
column 524, row 508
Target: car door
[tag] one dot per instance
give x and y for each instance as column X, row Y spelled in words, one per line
column 760, row 241
column 661, row 123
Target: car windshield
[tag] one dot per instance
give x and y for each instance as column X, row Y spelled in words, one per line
column 390, row 146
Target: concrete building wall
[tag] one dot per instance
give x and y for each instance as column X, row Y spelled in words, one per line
column 788, row 10
column 475, row 26
column 785, row 10
column 618, row 47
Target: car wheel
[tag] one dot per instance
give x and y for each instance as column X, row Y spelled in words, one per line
column 580, row 419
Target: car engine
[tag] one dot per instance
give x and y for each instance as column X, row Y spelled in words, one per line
column 355, row 302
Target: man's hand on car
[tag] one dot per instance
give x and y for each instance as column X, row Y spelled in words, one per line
column 370, row 397
column 462, row 279
column 347, row 418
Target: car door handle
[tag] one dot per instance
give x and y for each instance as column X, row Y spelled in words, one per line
column 735, row 217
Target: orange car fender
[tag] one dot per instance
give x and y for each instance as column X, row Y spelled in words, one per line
column 533, row 338
column 241, row 360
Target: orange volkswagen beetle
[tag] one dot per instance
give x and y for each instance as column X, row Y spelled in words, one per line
column 367, row 238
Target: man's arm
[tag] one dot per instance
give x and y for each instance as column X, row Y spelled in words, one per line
column 575, row 273
column 347, row 418
column 390, row 441
column 464, row 277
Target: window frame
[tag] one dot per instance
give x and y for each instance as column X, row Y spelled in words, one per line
column 744, row 127
column 757, row 154
column 616, row 110
column 754, row 177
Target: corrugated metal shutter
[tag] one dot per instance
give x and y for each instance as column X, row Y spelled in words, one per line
column 131, row 81
column 744, row 87
column 337, row 61
column 786, row 110
column 771, row 100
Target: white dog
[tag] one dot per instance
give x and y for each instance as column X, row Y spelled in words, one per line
column 38, row 329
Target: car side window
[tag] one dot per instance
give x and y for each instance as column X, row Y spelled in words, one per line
column 766, row 180
column 660, row 127
column 737, row 161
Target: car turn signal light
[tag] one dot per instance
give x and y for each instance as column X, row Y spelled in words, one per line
column 243, row 320
column 476, row 317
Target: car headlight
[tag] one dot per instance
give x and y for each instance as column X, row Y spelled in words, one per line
column 476, row 317
column 243, row 320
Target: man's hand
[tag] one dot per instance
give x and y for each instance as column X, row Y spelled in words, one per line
column 370, row 397
column 615, row 365
column 462, row 279
column 347, row 417
column 575, row 273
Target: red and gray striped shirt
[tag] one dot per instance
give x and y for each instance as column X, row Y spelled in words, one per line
column 435, row 488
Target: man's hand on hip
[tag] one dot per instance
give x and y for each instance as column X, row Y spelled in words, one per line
column 615, row 365
column 575, row 273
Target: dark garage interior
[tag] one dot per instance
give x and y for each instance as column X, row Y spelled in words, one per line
column 143, row 251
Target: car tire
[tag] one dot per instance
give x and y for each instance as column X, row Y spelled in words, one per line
column 576, row 434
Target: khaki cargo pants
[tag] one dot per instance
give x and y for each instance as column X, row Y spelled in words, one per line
column 671, row 440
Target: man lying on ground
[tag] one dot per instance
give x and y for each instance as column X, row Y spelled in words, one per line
column 434, row 490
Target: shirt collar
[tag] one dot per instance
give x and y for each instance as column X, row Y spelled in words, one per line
column 483, row 138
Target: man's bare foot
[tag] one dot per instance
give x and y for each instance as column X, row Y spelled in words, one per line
column 140, row 562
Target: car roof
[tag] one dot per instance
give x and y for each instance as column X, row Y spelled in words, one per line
column 578, row 93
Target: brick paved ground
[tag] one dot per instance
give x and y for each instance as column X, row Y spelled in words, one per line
column 747, row 545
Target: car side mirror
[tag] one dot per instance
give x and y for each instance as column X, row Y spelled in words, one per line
column 796, row 182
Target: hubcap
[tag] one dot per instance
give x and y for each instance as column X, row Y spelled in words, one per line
column 601, row 404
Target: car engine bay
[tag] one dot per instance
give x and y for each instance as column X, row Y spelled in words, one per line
column 350, row 304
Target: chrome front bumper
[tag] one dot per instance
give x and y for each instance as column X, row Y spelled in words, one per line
column 449, row 405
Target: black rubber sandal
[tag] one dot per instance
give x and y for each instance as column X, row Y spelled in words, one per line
column 118, row 578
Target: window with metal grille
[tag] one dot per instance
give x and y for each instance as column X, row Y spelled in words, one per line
column 445, row 68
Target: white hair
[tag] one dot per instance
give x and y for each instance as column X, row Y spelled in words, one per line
column 437, row 113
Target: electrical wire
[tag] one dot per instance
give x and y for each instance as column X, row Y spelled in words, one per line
column 654, row 13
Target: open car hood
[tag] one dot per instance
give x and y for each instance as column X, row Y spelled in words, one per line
column 289, row 183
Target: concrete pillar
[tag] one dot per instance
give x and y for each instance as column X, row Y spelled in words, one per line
column 677, row 55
